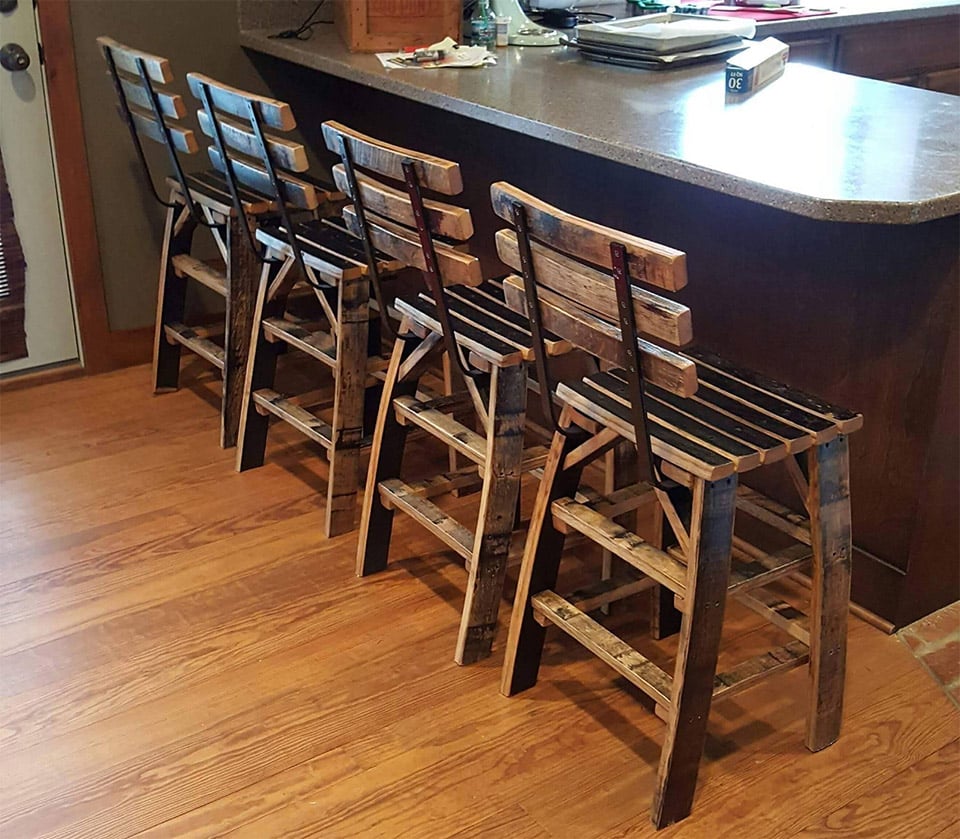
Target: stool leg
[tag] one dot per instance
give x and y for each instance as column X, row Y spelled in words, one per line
column 829, row 505
column 540, row 567
column 171, row 296
column 386, row 457
column 498, row 510
column 243, row 270
column 665, row 618
column 343, row 478
column 708, row 571
column 261, row 370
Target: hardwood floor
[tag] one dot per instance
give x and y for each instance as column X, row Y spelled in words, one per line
column 182, row 654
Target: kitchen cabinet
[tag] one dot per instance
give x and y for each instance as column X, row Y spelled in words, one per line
column 921, row 53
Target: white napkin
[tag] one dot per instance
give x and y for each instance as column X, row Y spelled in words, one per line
column 454, row 56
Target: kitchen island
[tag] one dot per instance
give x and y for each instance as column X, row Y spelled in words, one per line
column 820, row 219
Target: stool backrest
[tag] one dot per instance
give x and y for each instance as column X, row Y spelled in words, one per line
column 389, row 214
column 579, row 281
column 147, row 109
column 249, row 156
column 401, row 222
column 243, row 151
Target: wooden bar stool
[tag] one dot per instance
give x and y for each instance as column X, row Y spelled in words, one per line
column 321, row 253
column 697, row 422
column 487, row 343
column 201, row 199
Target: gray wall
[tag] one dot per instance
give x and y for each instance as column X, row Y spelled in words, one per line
column 198, row 35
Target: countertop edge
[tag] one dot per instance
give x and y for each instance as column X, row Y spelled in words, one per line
column 819, row 208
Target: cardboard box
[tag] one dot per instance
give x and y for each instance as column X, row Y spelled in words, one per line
column 390, row 25
column 756, row 66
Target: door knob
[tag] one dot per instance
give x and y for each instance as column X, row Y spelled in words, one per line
column 14, row 58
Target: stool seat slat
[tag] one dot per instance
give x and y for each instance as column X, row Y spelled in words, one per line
column 744, row 456
column 209, row 189
column 480, row 341
column 773, row 447
column 845, row 420
column 677, row 448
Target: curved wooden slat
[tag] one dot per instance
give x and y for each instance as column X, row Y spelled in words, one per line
column 171, row 104
column 238, row 135
column 655, row 316
column 434, row 173
column 671, row 371
column 455, row 266
column 125, row 58
column 442, row 219
column 184, row 140
column 232, row 100
column 648, row 262
column 295, row 192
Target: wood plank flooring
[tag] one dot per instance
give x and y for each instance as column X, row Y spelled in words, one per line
column 182, row 654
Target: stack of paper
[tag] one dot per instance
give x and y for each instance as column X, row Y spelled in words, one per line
column 452, row 56
column 664, row 40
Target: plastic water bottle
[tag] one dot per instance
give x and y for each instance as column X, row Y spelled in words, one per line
column 483, row 26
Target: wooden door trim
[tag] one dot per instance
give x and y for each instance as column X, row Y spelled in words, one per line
column 103, row 350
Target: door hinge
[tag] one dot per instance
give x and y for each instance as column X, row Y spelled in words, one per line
column 40, row 57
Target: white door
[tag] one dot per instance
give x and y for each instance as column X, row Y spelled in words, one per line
column 25, row 145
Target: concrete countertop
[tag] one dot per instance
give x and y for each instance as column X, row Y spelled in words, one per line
column 815, row 143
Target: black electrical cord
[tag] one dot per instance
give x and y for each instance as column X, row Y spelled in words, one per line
column 305, row 29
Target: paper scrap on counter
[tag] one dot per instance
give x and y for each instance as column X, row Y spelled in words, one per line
column 454, row 56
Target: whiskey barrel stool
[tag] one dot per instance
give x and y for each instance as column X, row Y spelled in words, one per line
column 319, row 252
column 697, row 423
column 466, row 319
column 202, row 199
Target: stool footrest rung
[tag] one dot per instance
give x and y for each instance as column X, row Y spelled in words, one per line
column 291, row 413
column 622, row 585
column 781, row 614
column 321, row 344
column 189, row 266
column 623, row 658
column 398, row 495
column 205, row 348
column 774, row 514
column 622, row 543
column 758, row 569
column 754, row 669
column 442, row 426
column 447, row 482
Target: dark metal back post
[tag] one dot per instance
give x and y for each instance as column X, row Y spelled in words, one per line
column 277, row 189
column 368, row 250
column 127, row 117
column 231, row 178
column 519, row 213
column 646, row 469
column 432, row 271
